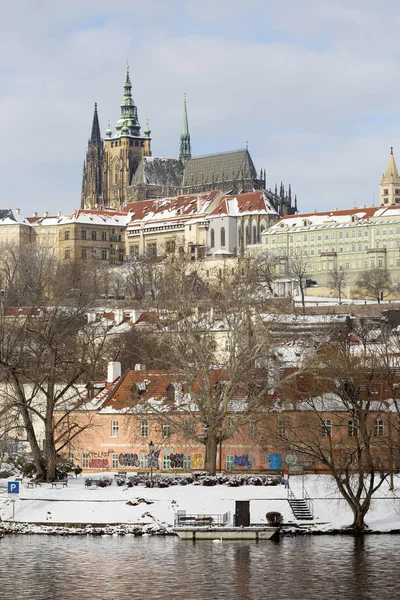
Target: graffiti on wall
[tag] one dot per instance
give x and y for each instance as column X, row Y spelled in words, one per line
column 152, row 460
column 127, row 459
column 197, row 461
column 242, row 460
column 100, row 460
column 176, row 460
column 98, row 463
column 15, row 447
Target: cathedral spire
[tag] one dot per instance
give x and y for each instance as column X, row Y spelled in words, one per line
column 95, row 137
column 185, row 150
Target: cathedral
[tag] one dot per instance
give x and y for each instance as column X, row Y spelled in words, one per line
column 121, row 169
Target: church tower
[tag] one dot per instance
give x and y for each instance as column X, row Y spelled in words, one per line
column 93, row 167
column 390, row 184
column 185, row 151
column 123, row 151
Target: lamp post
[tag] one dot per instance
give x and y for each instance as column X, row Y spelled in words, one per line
column 151, row 453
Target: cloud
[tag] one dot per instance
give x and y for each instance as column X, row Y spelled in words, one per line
column 311, row 85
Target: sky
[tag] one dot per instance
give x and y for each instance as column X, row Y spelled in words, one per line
column 312, row 86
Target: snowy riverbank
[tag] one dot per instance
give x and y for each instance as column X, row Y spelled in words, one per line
column 140, row 510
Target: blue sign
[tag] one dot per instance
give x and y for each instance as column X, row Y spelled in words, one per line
column 13, row 487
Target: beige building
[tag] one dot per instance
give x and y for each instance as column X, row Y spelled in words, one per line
column 350, row 240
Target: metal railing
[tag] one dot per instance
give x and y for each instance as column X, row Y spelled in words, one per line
column 309, row 502
column 182, row 519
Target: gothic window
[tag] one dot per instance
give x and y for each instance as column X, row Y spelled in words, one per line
column 255, row 234
column 212, row 238
column 222, row 237
column 247, row 235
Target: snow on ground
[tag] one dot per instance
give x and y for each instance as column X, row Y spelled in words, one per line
column 140, row 505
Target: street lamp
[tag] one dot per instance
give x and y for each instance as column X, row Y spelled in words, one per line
column 151, row 453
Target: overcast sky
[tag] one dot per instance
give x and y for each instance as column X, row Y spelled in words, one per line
column 312, row 85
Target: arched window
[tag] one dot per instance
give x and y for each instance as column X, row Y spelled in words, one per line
column 212, row 236
column 255, row 240
column 222, row 237
column 247, row 235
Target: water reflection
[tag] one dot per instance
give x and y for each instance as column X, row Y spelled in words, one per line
column 127, row 568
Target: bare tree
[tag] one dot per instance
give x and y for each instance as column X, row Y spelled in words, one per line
column 340, row 423
column 219, row 387
column 338, row 282
column 375, row 283
column 298, row 267
column 46, row 352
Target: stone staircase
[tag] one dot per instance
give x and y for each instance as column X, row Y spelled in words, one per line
column 300, row 508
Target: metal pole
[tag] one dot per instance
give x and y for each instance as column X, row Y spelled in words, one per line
column 13, row 504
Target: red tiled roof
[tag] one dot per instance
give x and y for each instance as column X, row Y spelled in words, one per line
column 186, row 205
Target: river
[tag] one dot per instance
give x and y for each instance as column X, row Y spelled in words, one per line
column 151, row 568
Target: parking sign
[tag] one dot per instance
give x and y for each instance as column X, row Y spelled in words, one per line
column 13, row 487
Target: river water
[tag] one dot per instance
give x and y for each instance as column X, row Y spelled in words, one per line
column 151, row 568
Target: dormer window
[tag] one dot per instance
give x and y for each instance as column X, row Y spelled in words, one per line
column 171, row 393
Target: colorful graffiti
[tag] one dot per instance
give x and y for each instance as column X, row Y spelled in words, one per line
column 100, row 454
column 242, row 460
column 176, row 461
column 98, row 463
column 127, row 459
column 197, row 461
column 15, row 447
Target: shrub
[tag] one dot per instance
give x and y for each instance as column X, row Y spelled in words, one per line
column 274, row 518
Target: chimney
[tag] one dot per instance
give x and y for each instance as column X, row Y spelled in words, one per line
column 113, row 371
column 17, row 211
column 313, row 210
column 59, row 213
column 46, row 214
column 362, row 206
column 118, row 316
column 335, row 209
column 139, row 367
column 34, row 214
column 199, row 203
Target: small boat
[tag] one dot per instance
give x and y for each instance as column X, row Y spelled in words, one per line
column 256, row 532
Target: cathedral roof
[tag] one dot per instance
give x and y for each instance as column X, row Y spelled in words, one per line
column 226, row 166
column 153, row 170
column 249, row 203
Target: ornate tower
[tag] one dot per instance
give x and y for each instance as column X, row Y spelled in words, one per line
column 390, row 184
column 185, row 151
column 93, row 167
column 123, row 150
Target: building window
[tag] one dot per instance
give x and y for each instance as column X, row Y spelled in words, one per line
column 166, row 462
column 229, row 462
column 255, row 234
column 67, row 254
column 378, row 428
column 85, row 460
column 115, row 461
column 152, row 250
column 227, row 345
column 326, row 428
column 144, row 428
column 84, row 253
column 114, row 429
column 143, row 461
column 222, row 237
column 252, row 429
column 83, row 234
column 351, row 429
column 380, row 262
column 281, row 430
column 94, row 236
column 169, row 246
column 212, row 238
column 104, row 236
column 165, row 430
column 67, row 234
column 104, row 255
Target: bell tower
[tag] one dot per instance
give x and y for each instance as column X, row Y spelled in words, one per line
column 123, row 150
column 390, row 184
